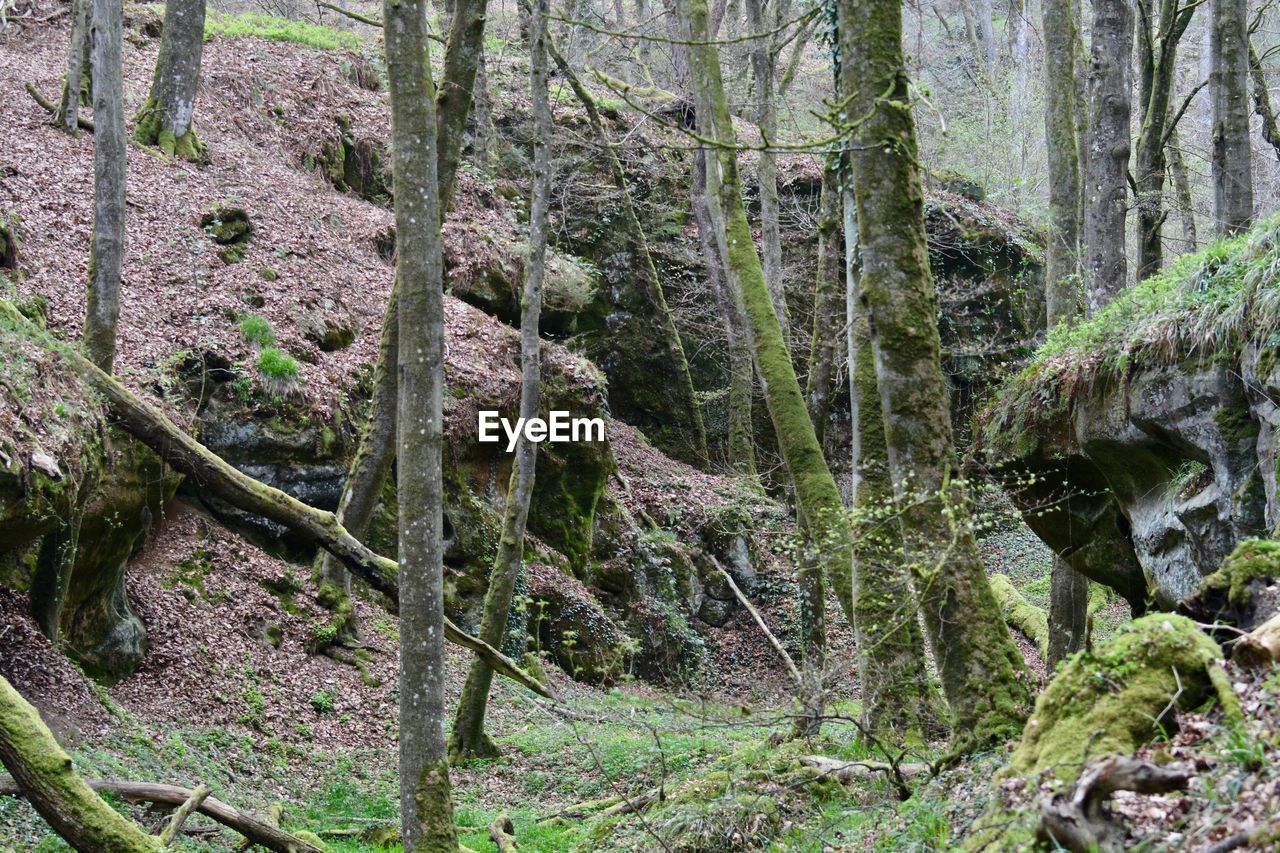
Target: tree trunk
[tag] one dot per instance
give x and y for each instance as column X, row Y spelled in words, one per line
column 78, row 70
column 1062, row 144
column 828, row 332
column 1068, row 612
column 821, row 513
column 426, row 803
column 1182, row 192
column 1262, row 101
column 897, row 699
column 1160, row 49
column 763, row 69
column 48, row 780
column 982, row 672
column 469, row 739
column 1229, row 90
column 106, row 253
column 1107, row 161
column 373, row 460
column 166, row 119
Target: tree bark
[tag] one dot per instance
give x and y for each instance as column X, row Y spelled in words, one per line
column 46, row 777
column 828, row 330
column 1159, row 55
column 821, row 512
column 468, row 739
column 1068, row 612
column 68, row 114
column 210, row 474
column 982, row 672
column 426, row 802
column 1107, row 161
column 1232, row 165
column 1262, row 101
column 1182, row 192
column 1062, row 144
column 106, row 253
column 166, row 119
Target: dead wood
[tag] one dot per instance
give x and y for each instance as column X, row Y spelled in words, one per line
column 1081, row 820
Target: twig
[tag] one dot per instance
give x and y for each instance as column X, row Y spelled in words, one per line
column 755, row 614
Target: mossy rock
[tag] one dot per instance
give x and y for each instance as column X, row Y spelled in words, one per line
column 1243, row 591
column 568, row 622
column 1121, row 695
column 230, row 228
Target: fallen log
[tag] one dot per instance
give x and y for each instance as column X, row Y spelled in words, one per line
column 258, row 831
column 845, row 772
column 502, row 832
column 1261, row 646
column 174, row 829
column 1031, row 621
column 211, row 474
column 1078, row 821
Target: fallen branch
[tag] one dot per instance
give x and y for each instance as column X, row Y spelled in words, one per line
column 84, row 123
column 257, row 831
column 755, row 614
column 1080, row 822
column 502, row 832
column 211, row 474
column 174, row 829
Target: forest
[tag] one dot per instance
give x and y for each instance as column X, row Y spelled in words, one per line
column 607, row 425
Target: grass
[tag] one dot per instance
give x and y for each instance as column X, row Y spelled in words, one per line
column 277, row 365
column 255, row 25
column 257, row 330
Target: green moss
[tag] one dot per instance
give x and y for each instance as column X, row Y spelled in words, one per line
column 268, row 274
column 1032, row 621
column 254, row 25
column 152, row 131
column 1236, row 423
column 1111, row 700
column 1252, row 560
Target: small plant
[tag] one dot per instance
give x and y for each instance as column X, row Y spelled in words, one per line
column 322, row 701
column 257, row 330
column 278, row 366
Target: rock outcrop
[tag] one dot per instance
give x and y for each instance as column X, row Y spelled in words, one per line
column 1141, row 444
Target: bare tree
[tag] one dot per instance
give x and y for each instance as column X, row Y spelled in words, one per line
column 166, row 120
column 1229, row 90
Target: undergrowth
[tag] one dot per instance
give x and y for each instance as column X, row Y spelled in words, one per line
column 253, row 24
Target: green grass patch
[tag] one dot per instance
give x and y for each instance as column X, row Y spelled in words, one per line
column 257, row 330
column 256, row 25
column 277, row 365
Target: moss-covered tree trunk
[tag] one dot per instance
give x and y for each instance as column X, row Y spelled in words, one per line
column 1232, row 160
column 1182, row 192
column 1068, row 612
column 1159, row 49
column 468, row 739
column 106, row 253
column 1262, row 100
column 426, row 803
column 821, row 513
column 982, row 672
column 1110, row 84
column 166, row 120
column 376, row 454
column 78, row 73
column 828, row 335
column 48, row 780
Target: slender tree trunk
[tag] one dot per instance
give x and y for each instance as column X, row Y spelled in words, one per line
column 1262, row 101
column 1062, row 145
column 373, row 460
column 741, row 438
column 1068, row 612
column 763, row 69
column 426, row 804
column 68, row 114
column 1106, row 164
column 1160, row 50
column 1229, row 89
column 820, row 511
column 982, row 672
column 1182, row 192
column 48, row 780
column 828, row 322
column 482, row 139
column 166, row 119
column 469, row 738
column 106, row 255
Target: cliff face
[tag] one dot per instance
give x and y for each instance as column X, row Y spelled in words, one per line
column 1142, row 444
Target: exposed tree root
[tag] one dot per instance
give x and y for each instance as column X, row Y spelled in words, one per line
column 502, row 832
column 1081, row 821
column 208, row 473
column 84, row 123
